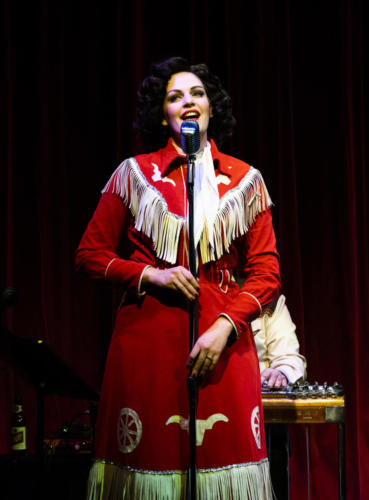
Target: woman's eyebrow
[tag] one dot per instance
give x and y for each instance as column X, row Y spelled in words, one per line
column 192, row 88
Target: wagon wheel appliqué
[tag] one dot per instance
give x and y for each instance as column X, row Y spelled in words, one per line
column 255, row 426
column 129, row 430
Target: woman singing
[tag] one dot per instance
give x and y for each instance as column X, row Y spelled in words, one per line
column 138, row 238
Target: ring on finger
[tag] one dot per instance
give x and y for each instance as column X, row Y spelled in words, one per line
column 209, row 358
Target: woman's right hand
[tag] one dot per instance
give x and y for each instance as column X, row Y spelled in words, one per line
column 177, row 278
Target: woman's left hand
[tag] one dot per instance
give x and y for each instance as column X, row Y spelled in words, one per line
column 208, row 348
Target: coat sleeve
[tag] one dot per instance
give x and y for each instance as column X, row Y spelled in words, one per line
column 261, row 270
column 96, row 253
column 282, row 346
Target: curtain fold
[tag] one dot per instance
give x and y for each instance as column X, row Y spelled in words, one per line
column 298, row 76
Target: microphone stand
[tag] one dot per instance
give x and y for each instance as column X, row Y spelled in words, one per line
column 193, row 333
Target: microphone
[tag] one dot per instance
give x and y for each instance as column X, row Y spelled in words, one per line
column 190, row 137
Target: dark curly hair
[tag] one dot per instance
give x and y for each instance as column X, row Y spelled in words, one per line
column 151, row 95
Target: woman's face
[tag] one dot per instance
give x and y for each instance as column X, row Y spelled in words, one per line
column 186, row 99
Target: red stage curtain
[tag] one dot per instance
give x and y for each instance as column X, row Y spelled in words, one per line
column 298, row 76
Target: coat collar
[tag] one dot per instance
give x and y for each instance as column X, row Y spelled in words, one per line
column 171, row 158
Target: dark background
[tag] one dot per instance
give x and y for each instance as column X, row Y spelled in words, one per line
column 298, row 75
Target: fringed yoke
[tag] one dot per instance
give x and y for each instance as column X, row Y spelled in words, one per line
column 157, row 199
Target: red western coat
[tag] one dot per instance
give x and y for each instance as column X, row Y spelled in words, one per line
column 142, row 424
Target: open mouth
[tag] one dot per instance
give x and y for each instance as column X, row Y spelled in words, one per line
column 190, row 115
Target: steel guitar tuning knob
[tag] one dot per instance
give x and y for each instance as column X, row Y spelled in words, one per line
column 338, row 389
column 325, row 390
column 315, row 391
column 305, row 391
column 330, row 392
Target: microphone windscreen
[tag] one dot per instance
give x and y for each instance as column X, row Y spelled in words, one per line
column 190, row 137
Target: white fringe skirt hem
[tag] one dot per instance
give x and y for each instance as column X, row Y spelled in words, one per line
column 108, row 481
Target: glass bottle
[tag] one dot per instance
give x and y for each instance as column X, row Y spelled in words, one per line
column 18, row 428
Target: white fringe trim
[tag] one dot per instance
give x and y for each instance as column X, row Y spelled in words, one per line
column 149, row 209
column 237, row 211
column 238, row 482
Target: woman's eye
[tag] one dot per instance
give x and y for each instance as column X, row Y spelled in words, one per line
column 199, row 93
column 173, row 97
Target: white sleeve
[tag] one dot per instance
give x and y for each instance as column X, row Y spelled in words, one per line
column 258, row 330
column 282, row 346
